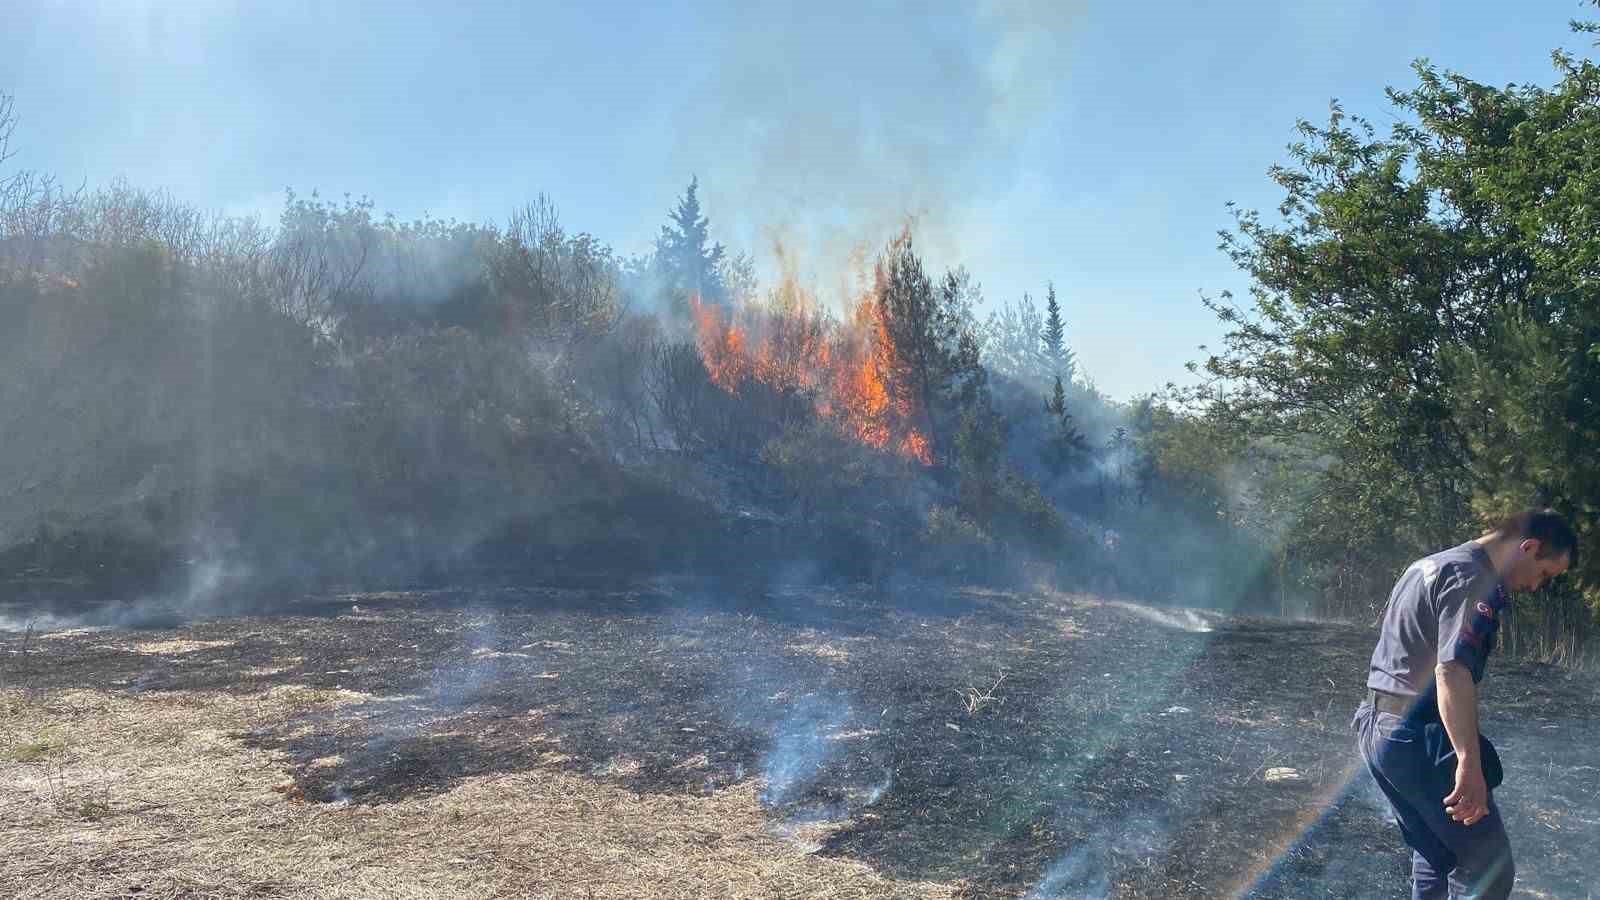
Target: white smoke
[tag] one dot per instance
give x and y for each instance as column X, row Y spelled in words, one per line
column 801, row 747
column 808, row 138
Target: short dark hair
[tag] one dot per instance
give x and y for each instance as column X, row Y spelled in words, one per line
column 1546, row 526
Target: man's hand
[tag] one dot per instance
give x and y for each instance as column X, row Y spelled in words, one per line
column 1469, row 802
column 1458, row 707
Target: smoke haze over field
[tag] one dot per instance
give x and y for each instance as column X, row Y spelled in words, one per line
column 767, row 394
column 832, row 129
column 1113, row 135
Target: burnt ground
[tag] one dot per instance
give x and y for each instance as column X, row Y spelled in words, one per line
column 786, row 742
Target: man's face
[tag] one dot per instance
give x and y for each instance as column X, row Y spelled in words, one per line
column 1530, row 572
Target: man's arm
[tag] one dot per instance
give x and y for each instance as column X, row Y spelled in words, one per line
column 1458, row 708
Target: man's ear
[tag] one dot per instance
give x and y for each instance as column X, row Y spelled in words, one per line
column 1530, row 547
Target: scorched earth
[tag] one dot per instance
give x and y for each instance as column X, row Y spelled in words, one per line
column 696, row 738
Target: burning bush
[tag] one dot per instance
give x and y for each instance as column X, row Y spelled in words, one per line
column 894, row 375
column 358, row 395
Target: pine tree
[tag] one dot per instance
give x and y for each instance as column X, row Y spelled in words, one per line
column 1057, row 404
column 1066, row 448
column 1063, row 363
column 930, row 351
column 685, row 259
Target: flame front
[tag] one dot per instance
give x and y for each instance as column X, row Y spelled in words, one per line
column 792, row 346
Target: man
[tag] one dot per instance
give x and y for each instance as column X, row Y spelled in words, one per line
column 1418, row 729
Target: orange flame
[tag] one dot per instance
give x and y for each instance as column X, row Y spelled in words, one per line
column 843, row 366
column 722, row 346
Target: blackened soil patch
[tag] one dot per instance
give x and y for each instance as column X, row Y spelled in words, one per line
column 1009, row 743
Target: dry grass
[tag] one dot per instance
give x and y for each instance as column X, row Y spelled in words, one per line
column 820, row 650
column 974, row 700
column 31, row 750
column 549, row 743
column 155, row 793
column 177, row 647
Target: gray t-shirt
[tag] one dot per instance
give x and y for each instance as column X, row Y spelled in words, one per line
column 1444, row 607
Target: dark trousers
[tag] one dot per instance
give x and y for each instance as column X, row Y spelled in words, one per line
column 1448, row 859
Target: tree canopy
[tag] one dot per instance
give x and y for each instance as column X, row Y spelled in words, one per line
column 1422, row 335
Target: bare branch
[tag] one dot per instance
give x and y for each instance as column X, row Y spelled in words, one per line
column 8, row 125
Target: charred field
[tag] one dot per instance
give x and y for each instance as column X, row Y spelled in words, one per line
column 689, row 738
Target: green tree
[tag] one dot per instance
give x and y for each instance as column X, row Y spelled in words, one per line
column 686, row 259
column 928, row 349
column 1011, row 342
column 548, row 284
column 1423, row 322
column 1065, row 448
column 1063, row 362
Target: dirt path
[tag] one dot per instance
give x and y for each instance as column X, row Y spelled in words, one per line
column 677, row 739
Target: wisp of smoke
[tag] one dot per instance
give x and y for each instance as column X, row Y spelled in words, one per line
column 801, row 746
column 1078, row 874
column 1085, row 871
column 43, row 622
column 215, row 586
column 1183, row 619
column 451, row 688
column 875, row 792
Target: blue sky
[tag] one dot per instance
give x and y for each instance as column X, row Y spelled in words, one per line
column 1094, row 143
